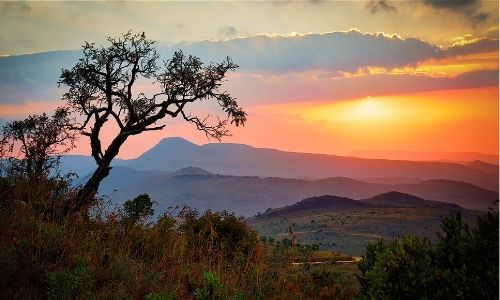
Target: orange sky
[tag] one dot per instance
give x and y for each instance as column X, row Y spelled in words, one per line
column 414, row 78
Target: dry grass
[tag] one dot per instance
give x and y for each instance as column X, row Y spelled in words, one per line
column 45, row 254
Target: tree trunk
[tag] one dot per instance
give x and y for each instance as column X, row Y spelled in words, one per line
column 86, row 195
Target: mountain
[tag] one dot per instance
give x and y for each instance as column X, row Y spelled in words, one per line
column 347, row 225
column 461, row 193
column 123, row 177
column 397, row 199
column 248, row 195
column 242, row 160
column 483, row 166
column 313, row 205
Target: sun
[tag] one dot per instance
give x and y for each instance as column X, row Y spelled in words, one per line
column 369, row 108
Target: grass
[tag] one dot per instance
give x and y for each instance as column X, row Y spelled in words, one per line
column 350, row 231
column 105, row 255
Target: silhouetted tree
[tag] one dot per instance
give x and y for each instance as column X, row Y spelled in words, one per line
column 103, row 88
column 33, row 146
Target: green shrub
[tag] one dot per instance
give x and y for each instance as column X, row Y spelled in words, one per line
column 212, row 288
column 65, row 284
column 463, row 264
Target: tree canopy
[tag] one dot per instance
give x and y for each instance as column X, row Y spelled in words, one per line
column 33, row 146
column 105, row 87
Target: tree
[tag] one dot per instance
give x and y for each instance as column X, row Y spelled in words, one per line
column 103, row 89
column 463, row 264
column 401, row 269
column 141, row 207
column 34, row 145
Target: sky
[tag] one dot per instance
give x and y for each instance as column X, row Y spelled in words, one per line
column 334, row 77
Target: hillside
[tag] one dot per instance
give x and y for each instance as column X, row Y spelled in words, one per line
column 247, row 195
column 316, row 205
column 347, row 225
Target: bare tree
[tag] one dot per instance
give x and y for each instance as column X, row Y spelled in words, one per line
column 33, row 146
column 103, row 88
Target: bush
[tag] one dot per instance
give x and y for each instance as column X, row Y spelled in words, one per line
column 463, row 264
column 139, row 208
column 211, row 289
column 65, row 284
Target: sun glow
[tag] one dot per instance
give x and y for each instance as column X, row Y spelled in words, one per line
column 369, row 109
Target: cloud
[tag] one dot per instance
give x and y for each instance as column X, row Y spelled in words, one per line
column 228, row 31
column 469, row 45
column 299, row 88
column 380, row 5
column 30, row 77
column 334, row 52
column 468, row 8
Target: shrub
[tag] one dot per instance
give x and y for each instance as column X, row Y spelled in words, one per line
column 139, row 208
column 212, row 289
column 463, row 264
column 65, row 284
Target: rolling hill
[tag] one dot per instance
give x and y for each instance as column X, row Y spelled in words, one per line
column 347, row 225
column 248, row 195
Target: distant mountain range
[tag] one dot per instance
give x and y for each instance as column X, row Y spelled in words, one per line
column 248, row 195
column 242, row 160
column 176, row 172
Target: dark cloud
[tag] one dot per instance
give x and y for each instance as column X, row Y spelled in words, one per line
column 228, row 31
column 468, row 8
column 380, row 5
column 263, row 90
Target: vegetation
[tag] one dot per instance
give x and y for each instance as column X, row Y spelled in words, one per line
column 104, row 88
column 180, row 256
column 47, row 253
column 463, row 264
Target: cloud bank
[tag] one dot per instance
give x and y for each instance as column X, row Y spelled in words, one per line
column 30, row 77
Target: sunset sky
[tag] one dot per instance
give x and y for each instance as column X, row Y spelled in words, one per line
column 334, row 77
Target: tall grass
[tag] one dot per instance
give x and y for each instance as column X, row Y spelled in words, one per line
column 46, row 253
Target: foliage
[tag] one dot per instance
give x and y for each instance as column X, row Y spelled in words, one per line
column 100, row 256
column 463, row 264
column 33, row 146
column 402, row 269
column 102, row 87
column 211, row 289
column 139, row 208
column 65, row 284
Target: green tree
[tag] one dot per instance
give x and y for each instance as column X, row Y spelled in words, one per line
column 468, row 258
column 103, row 89
column 400, row 269
column 463, row 264
column 139, row 208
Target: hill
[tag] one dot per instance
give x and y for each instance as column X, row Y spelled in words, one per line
column 316, row 205
column 248, row 195
column 397, row 199
column 347, row 225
